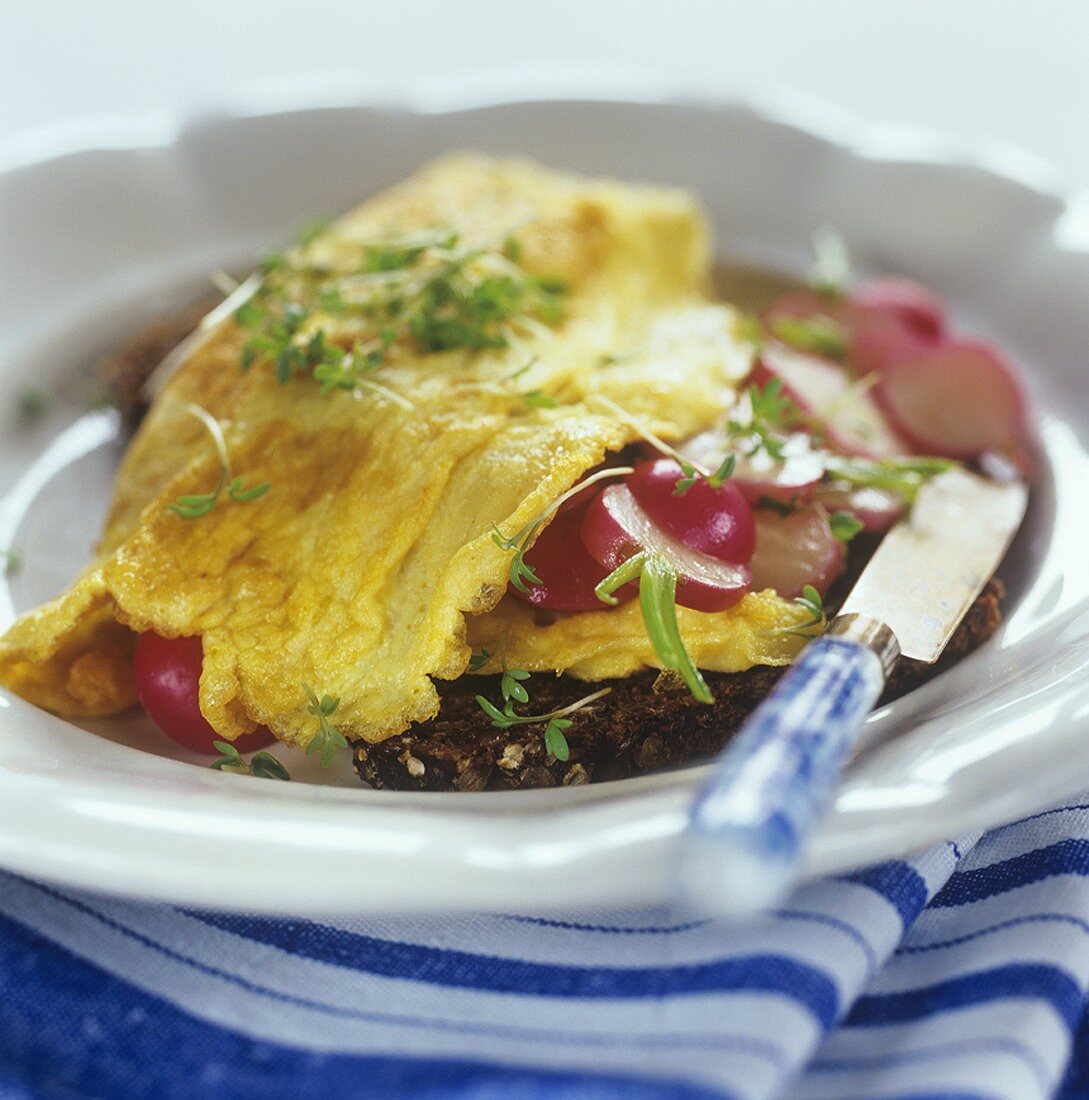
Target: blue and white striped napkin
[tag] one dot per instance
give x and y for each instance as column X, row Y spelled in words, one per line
column 962, row 973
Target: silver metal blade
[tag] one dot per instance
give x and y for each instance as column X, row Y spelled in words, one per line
column 930, row 567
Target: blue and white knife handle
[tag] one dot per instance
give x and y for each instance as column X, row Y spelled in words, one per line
column 748, row 827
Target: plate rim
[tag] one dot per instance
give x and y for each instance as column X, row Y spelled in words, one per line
column 663, row 800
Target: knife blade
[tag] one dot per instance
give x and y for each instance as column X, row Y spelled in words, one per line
column 930, row 567
column 748, row 827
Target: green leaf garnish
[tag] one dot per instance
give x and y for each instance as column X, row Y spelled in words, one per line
column 478, row 660
column 535, row 399
column 263, row 764
column 810, row 600
column 904, row 476
column 511, row 687
column 771, row 416
column 844, row 525
column 556, row 721
column 13, row 561
column 716, row 479
column 423, row 290
column 748, row 327
column 626, row 572
column 816, row 334
column 328, row 738
column 193, row 506
column 554, row 739
column 241, row 495
column 658, row 602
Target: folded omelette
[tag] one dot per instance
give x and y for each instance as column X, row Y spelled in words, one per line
column 395, row 434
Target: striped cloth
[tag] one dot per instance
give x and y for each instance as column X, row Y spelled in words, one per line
column 961, row 973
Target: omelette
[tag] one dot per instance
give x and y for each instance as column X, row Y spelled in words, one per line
column 317, row 489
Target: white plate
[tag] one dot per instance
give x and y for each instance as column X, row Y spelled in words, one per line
column 97, row 235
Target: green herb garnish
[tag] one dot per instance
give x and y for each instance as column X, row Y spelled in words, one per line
column 512, row 688
column 425, row 291
column 810, row 600
column 478, row 660
column 816, row 334
column 194, row 506
column 13, row 561
column 535, row 399
column 771, row 414
column 716, row 479
column 263, row 764
column 844, row 525
column 658, row 603
column 904, row 476
column 748, row 327
column 328, row 738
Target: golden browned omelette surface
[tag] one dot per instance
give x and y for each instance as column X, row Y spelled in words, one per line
column 356, row 571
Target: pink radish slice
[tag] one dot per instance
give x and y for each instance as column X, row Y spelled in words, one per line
column 879, row 338
column 959, row 399
column 616, row 527
column 568, row 573
column 921, row 309
column 876, row 509
column 795, row 550
column 853, row 421
column 711, row 521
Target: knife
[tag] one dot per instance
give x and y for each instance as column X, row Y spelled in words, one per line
column 747, row 830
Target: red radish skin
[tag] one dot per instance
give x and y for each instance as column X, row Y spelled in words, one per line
column 568, row 573
column 876, row 509
column 713, row 521
column 853, row 421
column 918, row 307
column 959, row 400
column 795, row 550
column 616, row 527
column 167, row 673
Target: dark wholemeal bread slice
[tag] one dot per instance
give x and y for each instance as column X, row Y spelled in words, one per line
column 643, row 725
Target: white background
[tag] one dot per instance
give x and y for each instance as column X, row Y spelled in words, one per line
column 1013, row 70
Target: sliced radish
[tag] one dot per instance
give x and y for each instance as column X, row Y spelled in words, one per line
column 880, row 338
column 795, row 550
column 959, row 400
column 921, row 309
column 878, row 329
column 876, row 509
column 568, row 573
column 790, row 480
column 853, row 421
column 715, row 521
column 616, row 528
